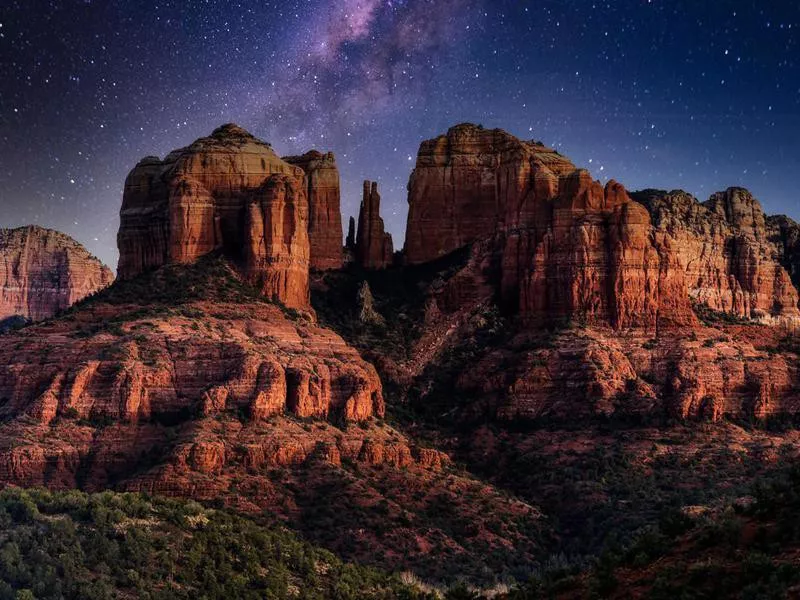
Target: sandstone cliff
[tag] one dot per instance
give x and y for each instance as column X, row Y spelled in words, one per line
column 44, row 271
column 374, row 248
column 567, row 248
column 724, row 248
column 570, row 248
column 324, row 199
column 228, row 192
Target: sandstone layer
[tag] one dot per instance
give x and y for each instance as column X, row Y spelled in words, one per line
column 324, row 200
column 142, row 367
column 44, row 272
column 374, row 248
column 228, row 192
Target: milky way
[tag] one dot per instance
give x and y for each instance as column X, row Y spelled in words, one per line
column 667, row 94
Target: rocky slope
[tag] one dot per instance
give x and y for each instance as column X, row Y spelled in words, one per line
column 227, row 192
column 325, row 216
column 44, row 272
column 185, row 382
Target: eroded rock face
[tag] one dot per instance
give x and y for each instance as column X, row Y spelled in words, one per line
column 724, row 248
column 43, row 272
column 227, row 192
column 567, row 247
column 206, row 361
column 374, row 248
column 324, row 199
column 581, row 374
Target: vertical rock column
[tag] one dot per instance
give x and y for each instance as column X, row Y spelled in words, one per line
column 374, row 248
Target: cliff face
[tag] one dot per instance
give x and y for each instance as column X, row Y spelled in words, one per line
column 374, row 248
column 463, row 184
column 44, row 271
column 228, row 192
column 324, row 199
column 566, row 247
column 569, row 248
column 729, row 258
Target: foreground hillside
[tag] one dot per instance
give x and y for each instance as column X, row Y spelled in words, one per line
column 74, row 545
column 185, row 382
column 748, row 549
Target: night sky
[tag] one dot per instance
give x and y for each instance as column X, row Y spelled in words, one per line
column 694, row 94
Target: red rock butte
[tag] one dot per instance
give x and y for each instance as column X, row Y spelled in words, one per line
column 44, row 272
column 228, row 192
column 568, row 247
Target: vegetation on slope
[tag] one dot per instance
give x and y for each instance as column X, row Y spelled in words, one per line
column 108, row 545
column 749, row 550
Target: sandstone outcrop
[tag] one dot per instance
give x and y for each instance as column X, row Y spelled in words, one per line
column 228, row 192
column 587, row 373
column 725, row 250
column 567, row 247
column 257, row 361
column 374, row 248
column 324, row 199
column 44, row 272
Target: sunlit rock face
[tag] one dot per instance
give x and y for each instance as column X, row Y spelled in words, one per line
column 43, row 272
column 324, row 201
column 228, row 192
column 563, row 245
column 732, row 261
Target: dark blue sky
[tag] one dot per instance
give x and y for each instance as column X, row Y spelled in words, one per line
column 670, row 94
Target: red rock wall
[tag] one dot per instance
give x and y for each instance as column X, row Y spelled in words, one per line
column 725, row 251
column 200, row 199
column 324, row 200
column 567, row 247
column 43, row 272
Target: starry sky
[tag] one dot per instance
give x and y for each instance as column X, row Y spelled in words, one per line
column 689, row 94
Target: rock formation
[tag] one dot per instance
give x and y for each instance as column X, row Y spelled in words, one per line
column 374, row 248
column 366, row 306
column 227, row 192
column 567, row 247
column 325, row 217
column 44, row 272
column 724, row 248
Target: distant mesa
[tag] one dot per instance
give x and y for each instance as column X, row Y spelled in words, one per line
column 44, row 272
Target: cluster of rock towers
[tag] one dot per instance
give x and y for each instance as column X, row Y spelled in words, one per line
column 563, row 244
